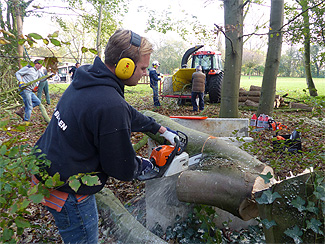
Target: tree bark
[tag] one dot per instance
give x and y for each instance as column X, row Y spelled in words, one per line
column 236, row 168
column 306, row 31
column 19, row 23
column 123, row 225
column 233, row 10
column 273, row 57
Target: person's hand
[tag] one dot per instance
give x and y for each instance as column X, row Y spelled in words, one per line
column 148, row 170
column 170, row 135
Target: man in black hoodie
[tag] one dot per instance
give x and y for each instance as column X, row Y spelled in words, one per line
column 90, row 132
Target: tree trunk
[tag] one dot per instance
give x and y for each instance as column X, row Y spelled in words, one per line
column 266, row 103
column 233, row 10
column 19, row 23
column 272, row 63
column 306, row 31
column 236, row 170
column 98, row 41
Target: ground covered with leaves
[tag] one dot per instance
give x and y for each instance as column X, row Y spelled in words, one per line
column 309, row 124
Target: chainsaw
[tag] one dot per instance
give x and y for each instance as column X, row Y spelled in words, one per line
column 167, row 159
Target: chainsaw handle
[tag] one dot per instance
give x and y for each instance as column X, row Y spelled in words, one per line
column 183, row 139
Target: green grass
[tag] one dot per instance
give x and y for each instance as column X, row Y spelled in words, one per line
column 294, row 86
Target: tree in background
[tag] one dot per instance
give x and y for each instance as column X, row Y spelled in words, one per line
column 266, row 103
column 252, row 62
column 306, row 26
column 317, row 53
column 169, row 54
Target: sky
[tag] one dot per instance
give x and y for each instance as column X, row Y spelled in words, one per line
column 136, row 21
column 208, row 12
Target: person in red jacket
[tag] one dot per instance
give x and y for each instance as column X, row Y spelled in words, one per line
column 198, row 88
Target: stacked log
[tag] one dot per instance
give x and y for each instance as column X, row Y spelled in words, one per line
column 252, row 97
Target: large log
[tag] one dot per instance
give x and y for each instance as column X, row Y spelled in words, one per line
column 238, row 168
column 123, row 226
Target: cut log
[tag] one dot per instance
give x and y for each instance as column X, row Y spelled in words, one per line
column 240, row 166
column 249, row 93
column 244, row 98
column 123, row 226
column 286, row 215
column 251, row 103
column 301, row 106
column 255, row 88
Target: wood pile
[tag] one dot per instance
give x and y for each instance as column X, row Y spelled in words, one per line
column 252, row 98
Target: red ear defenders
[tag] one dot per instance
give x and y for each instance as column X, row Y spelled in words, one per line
column 125, row 67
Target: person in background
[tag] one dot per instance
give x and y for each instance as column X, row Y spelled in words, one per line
column 90, row 133
column 44, row 86
column 74, row 69
column 26, row 75
column 198, row 88
column 154, row 78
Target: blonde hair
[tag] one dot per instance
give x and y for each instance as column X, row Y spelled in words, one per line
column 119, row 46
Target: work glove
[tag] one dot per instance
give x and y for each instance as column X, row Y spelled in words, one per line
column 148, row 170
column 170, row 135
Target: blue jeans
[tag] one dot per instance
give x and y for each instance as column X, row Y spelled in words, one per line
column 78, row 221
column 201, row 101
column 44, row 86
column 155, row 95
column 30, row 101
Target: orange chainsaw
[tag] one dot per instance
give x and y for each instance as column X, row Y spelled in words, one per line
column 168, row 159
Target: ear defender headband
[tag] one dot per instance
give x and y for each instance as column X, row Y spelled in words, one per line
column 125, row 67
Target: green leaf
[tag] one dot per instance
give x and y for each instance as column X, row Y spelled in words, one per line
column 21, row 41
column 90, row 180
column 49, row 183
column 295, row 234
column 268, row 224
column 320, row 192
column 55, row 42
column 311, row 207
column 299, row 204
column 84, row 49
column 55, row 34
column 74, row 184
column 37, row 198
column 2, row 200
column 314, row 225
column 35, row 36
column 268, row 197
column 266, row 177
column 24, row 204
column 21, row 222
column 7, row 234
column 3, row 149
column 46, row 41
column 94, row 51
column 56, row 180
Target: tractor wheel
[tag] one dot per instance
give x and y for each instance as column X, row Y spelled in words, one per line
column 215, row 84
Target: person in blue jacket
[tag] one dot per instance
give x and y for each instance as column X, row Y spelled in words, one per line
column 90, row 132
column 154, row 78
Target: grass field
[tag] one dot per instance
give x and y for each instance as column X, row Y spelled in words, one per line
column 294, row 86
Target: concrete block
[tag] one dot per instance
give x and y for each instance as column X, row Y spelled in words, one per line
column 219, row 127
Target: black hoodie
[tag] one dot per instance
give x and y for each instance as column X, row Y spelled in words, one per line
column 91, row 127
